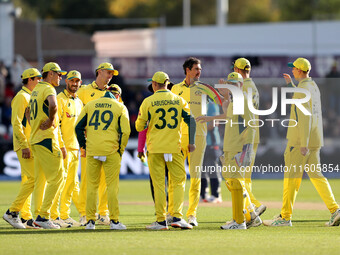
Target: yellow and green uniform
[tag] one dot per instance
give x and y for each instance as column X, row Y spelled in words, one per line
column 193, row 96
column 107, row 133
column 21, row 134
column 237, row 134
column 88, row 93
column 45, row 146
column 162, row 114
column 249, row 83
column 69, row 108
column 307, row 133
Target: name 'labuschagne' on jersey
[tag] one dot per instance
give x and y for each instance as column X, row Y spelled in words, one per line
column 164, row 102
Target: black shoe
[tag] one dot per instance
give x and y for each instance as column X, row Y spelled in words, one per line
column 163, row 223
column 39, row 218
column 30, row 224
column 13, row 214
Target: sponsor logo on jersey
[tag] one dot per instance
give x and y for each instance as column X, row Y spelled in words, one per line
column 70, row 115
column 92, row 94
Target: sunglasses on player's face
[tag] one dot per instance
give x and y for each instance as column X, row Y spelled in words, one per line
column 59, row 74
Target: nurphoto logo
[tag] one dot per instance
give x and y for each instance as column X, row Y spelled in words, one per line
column 239, row 101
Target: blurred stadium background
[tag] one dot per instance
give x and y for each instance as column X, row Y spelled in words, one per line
column 140, row 37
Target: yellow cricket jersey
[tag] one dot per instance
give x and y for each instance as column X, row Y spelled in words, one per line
column 21, row 127
column 309, row 131
column 69, row 108
column 237, row 131
column 249, row 83
column 162, row 114
column 39, row 112
column 88, row 93
column 107, row 126
column 193, row 96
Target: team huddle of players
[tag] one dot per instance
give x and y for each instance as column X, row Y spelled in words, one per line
column 49, row 130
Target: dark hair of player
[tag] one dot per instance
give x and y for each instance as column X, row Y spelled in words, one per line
column 44, row 75
column 25, row 81
column 189, row 63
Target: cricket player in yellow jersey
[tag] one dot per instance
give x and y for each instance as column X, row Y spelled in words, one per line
column 238, row 145
column 48, row 156
column 162, row 114
column 69, row 108
column 243, row 67
column 21, row 133
column 107, row 132
column 88, row 93
column 116, row 91
column 305, row 140
column 193, row 96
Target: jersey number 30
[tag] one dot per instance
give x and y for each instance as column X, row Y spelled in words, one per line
column 33, row 109
column 163, row 120
column 106, row 118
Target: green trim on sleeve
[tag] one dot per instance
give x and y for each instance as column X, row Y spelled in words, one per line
column 24, row 121
column 120, row 135
column 190, row 121
column 46, row 108
column 241, row 128
column 80, row 131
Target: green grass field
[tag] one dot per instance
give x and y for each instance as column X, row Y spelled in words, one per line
column 307, row 236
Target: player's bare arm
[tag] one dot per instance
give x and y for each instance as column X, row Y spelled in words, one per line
column 52, row 110
column 27, row 115
column 82, row 153
column 64, row 152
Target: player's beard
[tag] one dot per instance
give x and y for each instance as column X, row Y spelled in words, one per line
column 72, row 88
column 194, row 79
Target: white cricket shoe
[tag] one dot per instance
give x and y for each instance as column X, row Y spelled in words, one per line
column 277, row 222
column 180, row 223
column 82, row 220
column 90, row 225
column 117, row 226
column 103, row 220
column 255, row 220
column 157, row 226
column 169, row 219
column 61, row 223
column 192, row 221
column 45, row 223
column 335, row 219
column 260, row 210
column 214, row 200
column 72, row 222
column 13, row 219
column 234, row 225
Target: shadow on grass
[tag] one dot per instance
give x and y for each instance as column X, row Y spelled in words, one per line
column 78, row 231
column 309, row 221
